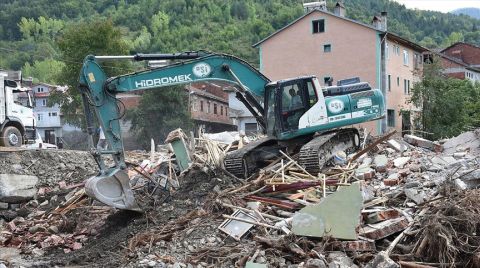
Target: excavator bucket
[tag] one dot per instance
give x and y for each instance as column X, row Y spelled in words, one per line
column 112, row 189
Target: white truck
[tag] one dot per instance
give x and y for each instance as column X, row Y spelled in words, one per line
column 17, row 120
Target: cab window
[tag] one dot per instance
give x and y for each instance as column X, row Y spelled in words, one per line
column 312, row 95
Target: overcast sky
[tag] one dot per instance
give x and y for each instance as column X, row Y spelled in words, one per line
column 439, row 5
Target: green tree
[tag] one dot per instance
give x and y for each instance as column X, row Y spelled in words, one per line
column 44, row 71
column 79, row 40
column 449, row 106
column 160, row 111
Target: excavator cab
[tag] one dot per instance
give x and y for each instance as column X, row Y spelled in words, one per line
column 286, row 101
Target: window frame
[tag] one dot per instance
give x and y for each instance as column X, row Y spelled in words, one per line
column 325, row 46
column 316, row 21
column 391, row 115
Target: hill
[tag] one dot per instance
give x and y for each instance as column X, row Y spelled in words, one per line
column 229, row 26
column 469, row 11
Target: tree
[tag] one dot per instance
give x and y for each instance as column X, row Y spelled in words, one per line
column 44, row 71
column 448, row 106
column 79, row 40
column 159, row 112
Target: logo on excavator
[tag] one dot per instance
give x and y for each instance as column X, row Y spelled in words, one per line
column 163, row 81
column 336, row 106
column 201, row 69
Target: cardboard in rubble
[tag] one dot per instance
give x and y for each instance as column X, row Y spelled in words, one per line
column 338, row 215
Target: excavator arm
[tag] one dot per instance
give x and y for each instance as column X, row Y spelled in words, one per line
column 111, row 185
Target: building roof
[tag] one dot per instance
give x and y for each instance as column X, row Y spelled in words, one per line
column 457, row 61
column 308, row 13
column 208, row 95
column 460, row 43
column 405, row 42
column 43, row 84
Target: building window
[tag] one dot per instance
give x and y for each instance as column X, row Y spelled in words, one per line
column 208, row 107
column 215, row 108
column 405, row 57
column 389, row 83
column 226, row 111
column 327, row 48
column 52, row 114
column 318, row 26
column 40, row 89
column 390, row 118
column 387, row 53
column 44, row 102
column 398, row 81
column 221, row 110
column 408, row 87
column 39, row 117
column 201, row 106
column 250, row 128
column 405, row 86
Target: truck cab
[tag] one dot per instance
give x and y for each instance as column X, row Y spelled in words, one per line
column 17, row 120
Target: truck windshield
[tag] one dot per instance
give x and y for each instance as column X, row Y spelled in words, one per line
column 22, row 97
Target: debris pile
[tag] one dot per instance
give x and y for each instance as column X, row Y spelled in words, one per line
column 406, row 202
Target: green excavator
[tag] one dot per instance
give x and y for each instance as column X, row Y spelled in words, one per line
column 296, row 114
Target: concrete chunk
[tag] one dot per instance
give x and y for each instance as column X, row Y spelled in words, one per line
column 382, row 261
column 421, row 142
column 401, row 161
column 380, row 163
column 396, row 145
column 415, row 195
column 17, row 188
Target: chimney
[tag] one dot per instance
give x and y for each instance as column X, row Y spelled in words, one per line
column 377, row 22
column 383, row 15
column 307, row 7
column 339, row 9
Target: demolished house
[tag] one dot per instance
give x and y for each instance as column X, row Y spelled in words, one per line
column 396, row 202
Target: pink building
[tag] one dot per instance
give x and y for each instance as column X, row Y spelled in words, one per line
column 334, row 47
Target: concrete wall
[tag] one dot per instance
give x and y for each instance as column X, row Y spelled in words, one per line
column 402, row 79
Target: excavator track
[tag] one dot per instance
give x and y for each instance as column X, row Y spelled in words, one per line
column 314, row 155
column 245, row 161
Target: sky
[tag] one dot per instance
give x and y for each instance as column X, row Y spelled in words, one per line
column 439, row 5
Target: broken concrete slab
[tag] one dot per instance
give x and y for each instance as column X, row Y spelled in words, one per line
column 466, row 141
column 383, row 229
column 255, row 265
column 380, row 162
column 396, row 146
column 382, row 260
column 424, row 143
column 337, row 215
column 401, row 161
column 416, row 195
column 340, row 259
column 17, row 188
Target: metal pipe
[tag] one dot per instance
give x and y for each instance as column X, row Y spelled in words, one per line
column 141, row 57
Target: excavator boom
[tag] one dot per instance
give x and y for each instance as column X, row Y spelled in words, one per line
column 111, row 185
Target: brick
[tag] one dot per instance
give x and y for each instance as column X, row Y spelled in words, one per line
column 353, row 246
column 383, row 229
column 382, row 215
column 391, row 182
column 364, row 173
column 421, row 142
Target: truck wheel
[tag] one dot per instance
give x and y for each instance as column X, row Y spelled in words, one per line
column 11, row 137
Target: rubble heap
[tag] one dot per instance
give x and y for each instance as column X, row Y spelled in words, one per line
column 397, row 202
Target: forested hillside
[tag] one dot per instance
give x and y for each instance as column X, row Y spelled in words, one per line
column 30, row 28
column 470, row 11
